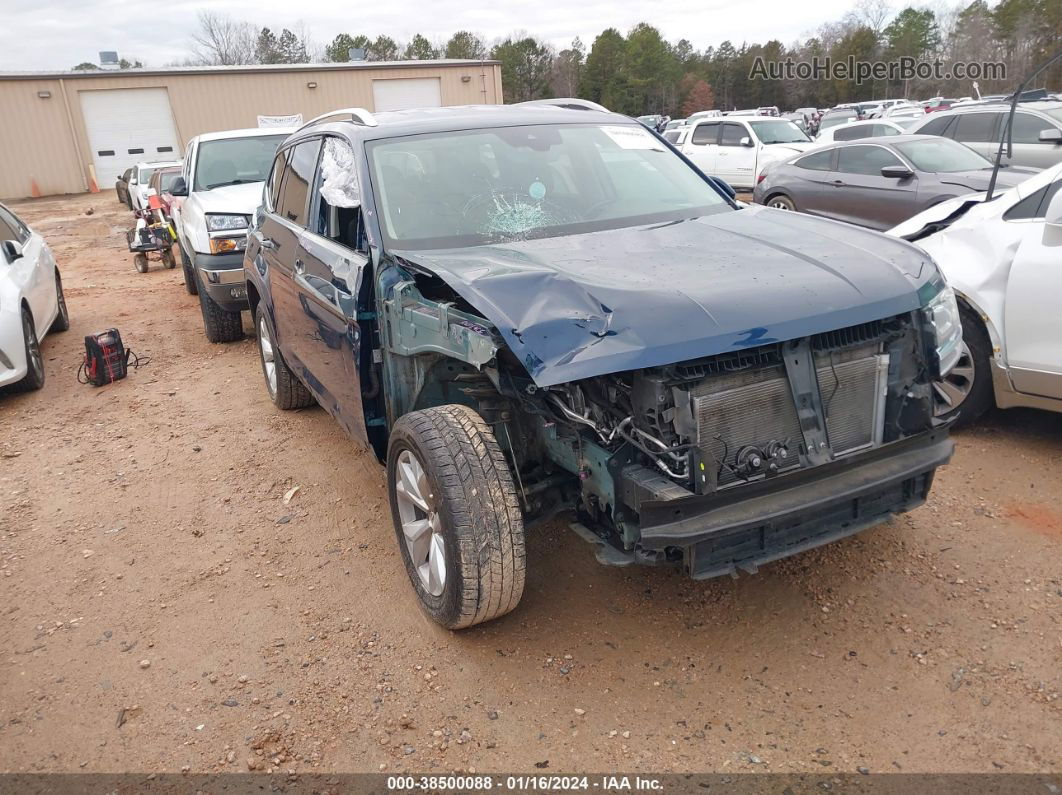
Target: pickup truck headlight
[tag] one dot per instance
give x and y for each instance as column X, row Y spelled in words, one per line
column 226, row 223
column 223, row 245
column 943, row 315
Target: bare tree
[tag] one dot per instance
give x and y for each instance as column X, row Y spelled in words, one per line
column 871, row 14
column 223, row 41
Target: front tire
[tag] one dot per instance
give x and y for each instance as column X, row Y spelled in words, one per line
column 34, row 378
column 190, row 283
column 220, row 324
column 140, row 262
column 285, row 390
column 966, row 392
column 456, row 515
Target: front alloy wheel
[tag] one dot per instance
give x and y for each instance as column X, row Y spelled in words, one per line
column 950, row 391
column 421, row 525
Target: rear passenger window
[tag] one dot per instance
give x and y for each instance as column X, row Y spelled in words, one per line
column 884, row 129
column 937, row 126
column 851, row 133
column 976, row 127
column 820, row 161
column 865, row 160
column 706, row 133
column 298, row 177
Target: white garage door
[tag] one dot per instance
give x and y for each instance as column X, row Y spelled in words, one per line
column 127, row 126
column 406, row 92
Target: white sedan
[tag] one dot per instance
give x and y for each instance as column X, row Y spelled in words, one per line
column 1003, row 258
column 31, row 302
column 872, row 128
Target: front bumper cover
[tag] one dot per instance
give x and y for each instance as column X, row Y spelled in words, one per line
column 754, row 524
column 222, row 276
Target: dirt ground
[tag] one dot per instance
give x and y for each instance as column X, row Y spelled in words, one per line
column 163, row 608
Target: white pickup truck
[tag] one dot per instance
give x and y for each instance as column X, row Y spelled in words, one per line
column 737, row 149
column 214, row 199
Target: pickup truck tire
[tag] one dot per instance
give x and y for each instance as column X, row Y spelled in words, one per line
column 969, row 384
column 285, row 390
column 190, row 284
column 447, row 459
column 220, row 325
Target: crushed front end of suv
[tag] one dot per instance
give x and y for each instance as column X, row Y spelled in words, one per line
column 526, row 311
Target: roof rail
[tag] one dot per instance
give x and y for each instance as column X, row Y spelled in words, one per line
column 572, row 103
column 356, row 115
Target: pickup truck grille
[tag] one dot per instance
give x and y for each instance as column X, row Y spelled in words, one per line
column 755, row 407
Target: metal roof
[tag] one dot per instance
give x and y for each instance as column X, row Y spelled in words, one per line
column 246, row 69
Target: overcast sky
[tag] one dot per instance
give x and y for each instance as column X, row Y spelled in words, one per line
column 57, row 34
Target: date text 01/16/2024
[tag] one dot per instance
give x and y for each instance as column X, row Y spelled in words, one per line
column 522, row 783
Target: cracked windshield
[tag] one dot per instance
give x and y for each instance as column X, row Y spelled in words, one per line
column 514, row 183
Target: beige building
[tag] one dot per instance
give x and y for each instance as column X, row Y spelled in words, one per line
column 70, row 132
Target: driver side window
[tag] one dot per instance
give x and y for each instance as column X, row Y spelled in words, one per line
column 732, row 134
column 11, row 228
column 339, row 216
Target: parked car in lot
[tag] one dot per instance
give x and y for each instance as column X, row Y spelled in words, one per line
column 31, row 302
column 139, row 181
column 737, row 149
column 835, row 116
column 677, row 136
column 218, row 191
column 527, row 310
column 121, row 187
column 936, row 104
column 878, row 182
column 161, row 182
column 1002, row 259
column 871, row 128
column 1036, row 136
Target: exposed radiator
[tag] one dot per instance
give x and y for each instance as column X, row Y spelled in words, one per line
column 755, row 407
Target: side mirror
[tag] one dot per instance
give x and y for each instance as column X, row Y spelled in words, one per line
column 1051, row 136
column 896, row 172
column 12, row 250
column 179, row 187
column 746, row 141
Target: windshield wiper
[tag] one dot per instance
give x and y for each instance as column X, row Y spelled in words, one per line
column 232, row 182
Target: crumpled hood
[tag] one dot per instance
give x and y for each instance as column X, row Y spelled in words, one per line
column 241, row 199
column 585, row 305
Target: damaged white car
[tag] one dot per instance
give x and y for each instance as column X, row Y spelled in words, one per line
column 1003, row 258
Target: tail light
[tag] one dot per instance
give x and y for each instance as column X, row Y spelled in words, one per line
column 761, row 178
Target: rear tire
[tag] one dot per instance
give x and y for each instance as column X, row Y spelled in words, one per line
column 140, row 262
column 456, row 515
column 220, row 324
column 966, row 392
column 62, row 319
column 285, row 390
column 34, row 378
column 781, row 203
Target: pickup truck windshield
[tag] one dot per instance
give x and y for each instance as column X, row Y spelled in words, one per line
column 473, row 187
column 942, row 156
column 234, row 161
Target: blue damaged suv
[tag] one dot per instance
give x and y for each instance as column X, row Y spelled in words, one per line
column 534, row 309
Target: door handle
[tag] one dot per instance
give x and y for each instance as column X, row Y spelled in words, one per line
column 269, row 243
column 299, row 266
column 837, row 183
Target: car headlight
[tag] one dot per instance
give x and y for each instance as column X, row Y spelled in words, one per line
column 223, row 245
column 226, row 223
column 943, row 315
